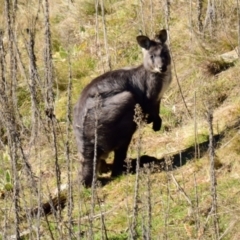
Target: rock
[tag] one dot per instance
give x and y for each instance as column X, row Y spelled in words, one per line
column 231, row 56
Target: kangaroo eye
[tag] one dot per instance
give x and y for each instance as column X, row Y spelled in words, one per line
column 152, row 57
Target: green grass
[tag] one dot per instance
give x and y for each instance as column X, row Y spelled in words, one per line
column 194, row 58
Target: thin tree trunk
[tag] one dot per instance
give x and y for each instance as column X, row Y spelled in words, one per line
column 9, row 111
column 212, row 174
column 199, row 15
column 142, row 17
column 98, row 49
column 68, row 157
column 190, row 20
column 167, row 13
column 33, row 85
column 49, row 107
column 105, row 36
column 151, row 21
column 211, row 17
column 138, row 119
column 149, row 202
column 238, row 10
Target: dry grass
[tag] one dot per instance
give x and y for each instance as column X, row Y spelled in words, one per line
column 73, row 35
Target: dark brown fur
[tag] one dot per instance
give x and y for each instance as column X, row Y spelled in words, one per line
column 109, row 101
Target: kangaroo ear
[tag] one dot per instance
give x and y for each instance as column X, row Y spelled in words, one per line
column 144, row 42
column 162, row 36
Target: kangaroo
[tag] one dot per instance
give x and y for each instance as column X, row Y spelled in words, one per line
column 105, row 109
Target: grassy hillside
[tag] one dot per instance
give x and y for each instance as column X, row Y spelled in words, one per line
column 49, row 52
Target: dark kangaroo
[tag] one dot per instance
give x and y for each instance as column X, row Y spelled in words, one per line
column 109, row 100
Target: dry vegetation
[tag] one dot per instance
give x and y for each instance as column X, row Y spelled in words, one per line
column 49, row 51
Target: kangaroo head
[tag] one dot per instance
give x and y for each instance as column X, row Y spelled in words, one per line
column 156, row 53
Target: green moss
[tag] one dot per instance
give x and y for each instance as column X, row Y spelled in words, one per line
column 81, row 67
column 120, row 236
column 169, row 119
column 88, row 7
column 56, row 44
column 201, row 137
column 57, row 19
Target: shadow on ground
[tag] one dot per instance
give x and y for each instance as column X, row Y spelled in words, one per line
column 176, row 159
